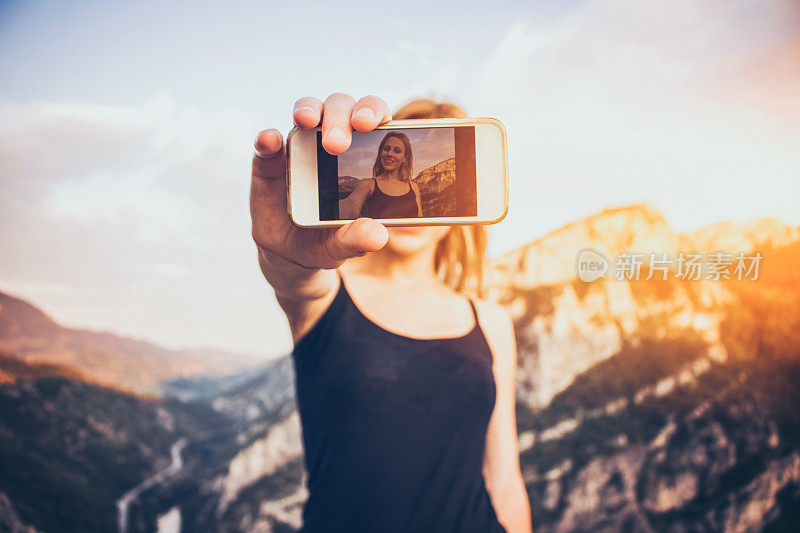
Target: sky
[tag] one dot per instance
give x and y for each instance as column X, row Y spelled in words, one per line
column 429, row 146
column 126, row 132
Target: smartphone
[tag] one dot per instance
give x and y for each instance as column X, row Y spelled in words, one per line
column 403, row 173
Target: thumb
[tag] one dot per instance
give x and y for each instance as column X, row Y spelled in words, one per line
column 356, row 238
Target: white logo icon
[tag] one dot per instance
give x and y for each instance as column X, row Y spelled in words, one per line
column 592, row 265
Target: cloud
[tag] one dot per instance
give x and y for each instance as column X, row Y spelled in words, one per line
column 137, row 219
column 619, row 101
column 134, row 218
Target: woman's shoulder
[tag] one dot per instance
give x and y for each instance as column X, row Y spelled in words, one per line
column 365, row 185
column 491, row 311
column 498, row 327
column 490, row 314
column 305, row 316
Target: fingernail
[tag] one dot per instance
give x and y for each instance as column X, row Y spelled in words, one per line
column 365, row 113
column 307, row 109
column 335, row 134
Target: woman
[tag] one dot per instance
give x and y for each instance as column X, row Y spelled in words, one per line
column 390, row 193
column 405, row 387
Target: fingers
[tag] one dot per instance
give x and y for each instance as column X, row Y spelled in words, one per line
column 356, row 238
column 269, row 160
column 268, row 143
column 368, row 113
column 307, row 112
column 336, row 130
column 340, row 115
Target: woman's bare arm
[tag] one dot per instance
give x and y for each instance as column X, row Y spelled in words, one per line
column 296, row 261
column 351, row 206
column 501, row 468
column 418, row 197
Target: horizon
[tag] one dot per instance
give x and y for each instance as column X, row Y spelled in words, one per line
column 272, row 357
column 135, row 218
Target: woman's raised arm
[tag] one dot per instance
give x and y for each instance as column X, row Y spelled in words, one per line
column 296, row 261
column 418, row 197
column 351, row 206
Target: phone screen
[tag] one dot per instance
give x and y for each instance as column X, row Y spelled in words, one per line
column 401, row 173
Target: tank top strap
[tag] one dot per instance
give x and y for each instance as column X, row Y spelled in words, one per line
column 474, row 310
column 342, row 288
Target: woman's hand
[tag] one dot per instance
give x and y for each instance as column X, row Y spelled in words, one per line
column 273, row 231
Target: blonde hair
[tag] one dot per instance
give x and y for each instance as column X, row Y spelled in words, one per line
column 460, row 257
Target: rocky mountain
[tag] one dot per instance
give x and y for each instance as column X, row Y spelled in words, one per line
column 78, row 456
column 104, row 358
column 657, row 405
column 9, row 520
column 346, row 186
column 435, row 179
column 254, row 480
column 69, row 450
column 437, row 189
column 771, row 232
column 643, row 405
column 552, row 258
column 565, row 326
column 13, row 369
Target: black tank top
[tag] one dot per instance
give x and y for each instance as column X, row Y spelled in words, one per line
column 382, row 205
column 393, row 427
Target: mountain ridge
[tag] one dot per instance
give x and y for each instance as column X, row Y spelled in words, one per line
column 104, row 357
column 633, row 228
column 658, row 405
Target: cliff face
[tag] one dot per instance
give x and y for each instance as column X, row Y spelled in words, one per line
column 69, row 449
column 715, row 450
column 9, row 521
column 650, row 405
column 771, row 232
column 565, row 325
column 564, row 329
column 662, row 404
column 438, row 190
column 435, row 179
column 553, row 258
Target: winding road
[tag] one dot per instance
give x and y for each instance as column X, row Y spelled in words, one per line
column 124, row 503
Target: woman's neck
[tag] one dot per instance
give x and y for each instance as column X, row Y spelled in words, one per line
column 401, row 269
column 390, row 174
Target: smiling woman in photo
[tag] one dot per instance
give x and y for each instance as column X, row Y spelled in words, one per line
column 391, row 193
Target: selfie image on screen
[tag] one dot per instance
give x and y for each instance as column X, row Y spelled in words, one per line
column 402, row 173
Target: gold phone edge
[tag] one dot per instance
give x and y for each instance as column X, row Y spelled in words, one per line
column 411, row 123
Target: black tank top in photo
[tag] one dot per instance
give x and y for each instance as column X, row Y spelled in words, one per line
column 393, row 427
column 382, row 205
